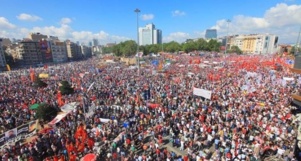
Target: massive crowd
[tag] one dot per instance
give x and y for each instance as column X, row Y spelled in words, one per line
column 154, row 115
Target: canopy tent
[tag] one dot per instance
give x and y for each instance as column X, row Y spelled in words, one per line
column 34, row 106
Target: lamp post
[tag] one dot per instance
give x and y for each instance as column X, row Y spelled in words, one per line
column 137, row 56
column 228, row 21
column 297, row 43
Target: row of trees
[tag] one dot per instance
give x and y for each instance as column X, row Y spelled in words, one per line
column 128, row 48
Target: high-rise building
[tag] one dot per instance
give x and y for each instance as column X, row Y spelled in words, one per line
column 255, row 43
column 95, row 42
column 2, row 56
column 37, row 36
column 58, row 51
column 211, row 34
column 90, row 44
column 149, row 35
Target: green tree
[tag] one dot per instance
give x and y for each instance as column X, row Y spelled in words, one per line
column 39, row 83
column 66, row 88
column 202, row 44
column 298, row 51
column 107, row 50
column 172, row 46
column 8, row 57
column 213, row 45
column 128, row 48
column 117, row 50
column 189, row 46
column 235, row 49
column 46, row 112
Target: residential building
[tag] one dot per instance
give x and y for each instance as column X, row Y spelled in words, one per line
column 86, row 51
column 149, row 35
column 284, row 49
column 211, row 34
column 73, row 50
column 13, row 50
column 2, row 56
column 95, row 42
column 59, row 51
column 45, row 50
column 6, row 41
column 29, row 52
column 96, row 50
column 110, row 44
column 37, row 36
column 53, row 38
column 255, row 43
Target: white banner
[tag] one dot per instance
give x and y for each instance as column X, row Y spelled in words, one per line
column 69, row 107
column 202, row 92
column 104, row 120
column 58, row 118
column 288, row 79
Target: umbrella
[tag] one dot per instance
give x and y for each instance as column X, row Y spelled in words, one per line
column 34, row 106
column 89, row 157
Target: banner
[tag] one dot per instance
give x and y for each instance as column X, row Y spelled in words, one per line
column 43, row 75
column 69, row 107
column 58, row 118
column 18, row 134
column 202, row 92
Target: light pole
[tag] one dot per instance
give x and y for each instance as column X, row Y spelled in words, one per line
column 297, row 43
column 137, row 56
column 228, row 21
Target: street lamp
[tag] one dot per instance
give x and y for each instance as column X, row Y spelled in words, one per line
column 228, row 21
column 137, row 56
column 297, row 43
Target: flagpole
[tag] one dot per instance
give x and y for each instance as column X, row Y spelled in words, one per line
column 85, row 99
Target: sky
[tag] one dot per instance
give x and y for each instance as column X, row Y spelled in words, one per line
column 115, row 20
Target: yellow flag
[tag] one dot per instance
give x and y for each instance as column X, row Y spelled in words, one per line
column 8, row 67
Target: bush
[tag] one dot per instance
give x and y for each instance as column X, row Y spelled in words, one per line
column 66, row 88
column 46, row 112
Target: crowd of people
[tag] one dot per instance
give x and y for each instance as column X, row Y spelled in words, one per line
column 152, row 113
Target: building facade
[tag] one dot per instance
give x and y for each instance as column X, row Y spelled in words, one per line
column 29, row 53
column 59, row 51
column 73, row 51
column 255, row 43
column 2, row 56
column 95, row 42
column 211, row 34
column 86, row 51
column 149, row 35
column 45, row 50
column 37, row 36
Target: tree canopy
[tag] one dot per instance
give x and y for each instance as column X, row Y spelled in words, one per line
column 128, row 48
column 66, row 88
column 46, row 112
column 39, row 83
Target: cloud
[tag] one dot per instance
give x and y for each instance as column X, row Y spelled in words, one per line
column 146, row 17
column 5, row 24
column 66, row 20
column 28, row 17
column 176, row 36
column 178, row 13
column 282, row 20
